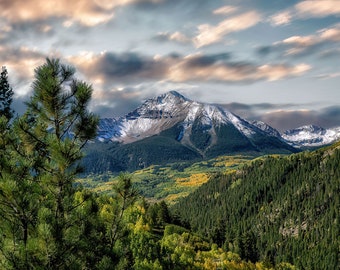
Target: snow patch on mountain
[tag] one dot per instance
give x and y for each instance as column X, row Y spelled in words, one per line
column 311, row 136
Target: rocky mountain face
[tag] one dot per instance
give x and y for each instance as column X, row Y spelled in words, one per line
column 171, row 128
column 266, row 128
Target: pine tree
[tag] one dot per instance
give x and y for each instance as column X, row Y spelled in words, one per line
column 18, row 189
column 126, row 197
column 6, row 95
column 48, row 142
column 59, row 103
column 247, row 246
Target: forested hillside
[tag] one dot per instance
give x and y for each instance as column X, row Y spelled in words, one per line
column 275, row 209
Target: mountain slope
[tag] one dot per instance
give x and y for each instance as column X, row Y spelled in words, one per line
column 171, row 127
column 287, row 207
column 266, row 128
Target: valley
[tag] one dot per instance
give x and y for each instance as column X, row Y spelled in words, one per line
column 242, row 185
column 168, row 182
column 283, row 205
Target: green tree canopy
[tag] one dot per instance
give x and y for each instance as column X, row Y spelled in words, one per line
column 6, row 95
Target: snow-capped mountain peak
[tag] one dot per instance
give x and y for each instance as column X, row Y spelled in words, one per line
column 166, row 100
column 165, row 111
column 311, row 136
column 307, row 129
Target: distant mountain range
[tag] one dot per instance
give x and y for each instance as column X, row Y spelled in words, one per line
column 165, row 111
column 305, row 137
column 171, row 128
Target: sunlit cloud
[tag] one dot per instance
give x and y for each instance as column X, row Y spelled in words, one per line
column 306, row 9
column 209, row 34
column 331, row 34
column 87, row 13
column 300, row 40
column 281, row 18
column 318, row 8
column 234, row 72
column 225, row 10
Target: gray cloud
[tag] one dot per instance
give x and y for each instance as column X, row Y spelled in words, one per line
column 124, row 65
column 20, row 63
column 330, row 53
column 331, row 115
column 14, row 54
column 31, row 30
column 119, row 68
column 207, row 60
column 252, row 110
column 133, row 67
column 286, row 116
column 283, row 120
column 177, row 37
column 116, row 102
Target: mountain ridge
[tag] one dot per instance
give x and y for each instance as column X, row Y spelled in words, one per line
column 164, row 111
column 181, row 128
column 168, row 110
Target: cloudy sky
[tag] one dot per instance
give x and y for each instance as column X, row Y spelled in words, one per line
column 276, row 61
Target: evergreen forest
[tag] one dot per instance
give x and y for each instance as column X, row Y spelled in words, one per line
column 273, row 209
column 270, row 213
